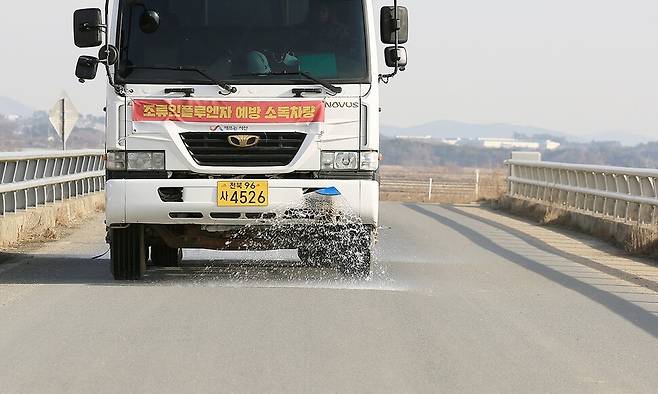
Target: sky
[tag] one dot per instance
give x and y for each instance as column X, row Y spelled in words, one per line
column 578, row 66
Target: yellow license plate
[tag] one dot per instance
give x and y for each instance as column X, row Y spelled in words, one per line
column 242, row 194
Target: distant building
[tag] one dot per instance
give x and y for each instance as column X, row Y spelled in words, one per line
column 488, row 143
column 451, row 141
column 510, row 143
column 413, row 137
column 507, row 143
column 551, row 145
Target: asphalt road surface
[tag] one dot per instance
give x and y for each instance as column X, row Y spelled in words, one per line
column 461, row 301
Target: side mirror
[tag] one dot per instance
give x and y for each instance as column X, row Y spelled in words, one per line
column 389, row 25
column 86, row 68
column 395, row 57
column 87, row 28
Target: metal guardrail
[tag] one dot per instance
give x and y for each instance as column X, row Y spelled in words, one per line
column 32, row 179
column 628, row 194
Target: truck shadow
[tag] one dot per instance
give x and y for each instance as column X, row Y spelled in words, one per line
column 57, row 270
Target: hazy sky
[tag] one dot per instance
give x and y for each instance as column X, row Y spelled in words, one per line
column 578, row 66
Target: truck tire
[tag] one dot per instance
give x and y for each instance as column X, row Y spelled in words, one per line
column 128, row 257
column 348, row 248
column 164, row 256
column 356, row 260
column 355, row 257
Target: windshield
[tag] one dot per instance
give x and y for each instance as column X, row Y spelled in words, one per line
column 242, row 41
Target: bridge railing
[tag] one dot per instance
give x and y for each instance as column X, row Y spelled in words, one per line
column 32, row 179
column 628, row 194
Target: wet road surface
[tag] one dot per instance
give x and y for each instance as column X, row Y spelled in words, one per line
column 461, row 300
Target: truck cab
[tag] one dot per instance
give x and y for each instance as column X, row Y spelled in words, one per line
column 249, row 125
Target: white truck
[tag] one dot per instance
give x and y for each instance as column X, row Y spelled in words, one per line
column 233, row 125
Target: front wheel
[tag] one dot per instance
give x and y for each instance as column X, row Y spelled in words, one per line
column 360, row 266
column 348, row 248
column 356, row 258
column 128, row 252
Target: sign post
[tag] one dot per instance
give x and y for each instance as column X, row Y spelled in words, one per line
column 63, row 116
column 477, row 184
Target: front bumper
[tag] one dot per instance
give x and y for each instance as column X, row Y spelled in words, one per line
column 138, row 201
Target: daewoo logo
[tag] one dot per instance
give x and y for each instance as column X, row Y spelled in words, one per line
column 339, row 104
column 243, row 140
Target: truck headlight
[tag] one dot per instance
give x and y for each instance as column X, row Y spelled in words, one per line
column 116, row 161
column 349, row 161
column 144, row 161
column 346, row 161
column 135, row 161
column 340, row 161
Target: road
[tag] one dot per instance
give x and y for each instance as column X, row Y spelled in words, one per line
column 462, row 300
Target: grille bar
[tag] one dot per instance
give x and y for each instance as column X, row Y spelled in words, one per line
column 213, row 149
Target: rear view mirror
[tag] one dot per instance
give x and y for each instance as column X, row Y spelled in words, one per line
column 87, row 28
column 389, row 25
column 86, row 68
column 395, row 57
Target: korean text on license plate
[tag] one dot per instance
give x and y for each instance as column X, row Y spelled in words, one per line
column 242, row 194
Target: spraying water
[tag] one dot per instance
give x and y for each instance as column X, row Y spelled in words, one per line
column 333, row 247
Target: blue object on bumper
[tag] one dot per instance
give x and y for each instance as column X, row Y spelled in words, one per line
column 329, row 192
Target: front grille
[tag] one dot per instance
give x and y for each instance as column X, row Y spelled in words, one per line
column 214, row 149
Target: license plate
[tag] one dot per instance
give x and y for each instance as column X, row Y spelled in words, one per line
column 242, row 194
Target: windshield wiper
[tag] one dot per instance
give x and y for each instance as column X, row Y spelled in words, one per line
column 330, row 87
column 230, row 89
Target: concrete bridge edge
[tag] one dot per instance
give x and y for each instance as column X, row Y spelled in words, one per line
column 43, row 221
column 635, row 239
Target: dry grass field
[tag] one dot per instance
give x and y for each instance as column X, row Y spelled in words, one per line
column 449, row 184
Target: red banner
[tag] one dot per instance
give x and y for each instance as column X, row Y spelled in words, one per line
column 228, row 111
